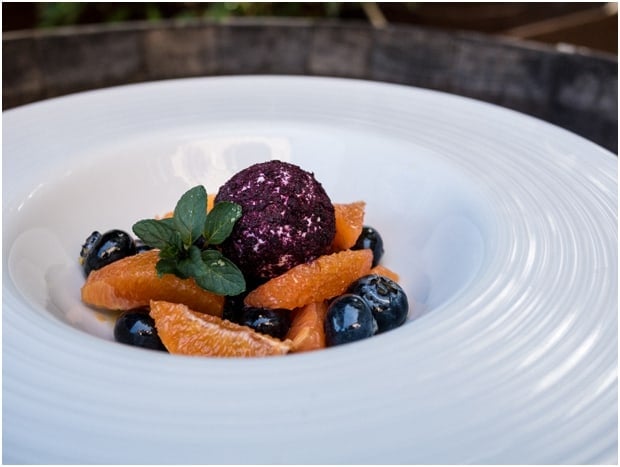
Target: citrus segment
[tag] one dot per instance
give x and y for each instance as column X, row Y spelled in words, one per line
column 210, row 201
column 132, row 282
column 383, row 271
column 321, row 279
column 307, row 327
column 186, row 332
column 349, row 224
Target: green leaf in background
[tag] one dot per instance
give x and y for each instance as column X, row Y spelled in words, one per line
column 190, row 214
column 220, row 222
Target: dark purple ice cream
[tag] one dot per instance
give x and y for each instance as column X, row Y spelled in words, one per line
column 287, row 219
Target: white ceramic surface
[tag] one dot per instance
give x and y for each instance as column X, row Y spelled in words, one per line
column 504, row 230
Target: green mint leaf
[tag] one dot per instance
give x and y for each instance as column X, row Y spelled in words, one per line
column 222, row 275
column 174, row 238
column 173, row 251
column 169, row 221
column 166, row 266
column 192, row 266
column 190, row 214
column 220, row 222
column 155, row 233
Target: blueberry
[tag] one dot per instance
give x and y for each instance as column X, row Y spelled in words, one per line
column 100, row 250
column 272, row 322
column 233, row 306
column 370, row 238
column 89, row 245
column 386, row 299
column 137, row 328
column 348, row 319
column 141, row 246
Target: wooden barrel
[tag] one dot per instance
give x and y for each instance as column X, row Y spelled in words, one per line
column 573, row 88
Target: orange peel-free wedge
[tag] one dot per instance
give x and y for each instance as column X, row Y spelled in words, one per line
column 321, row 279
column 132, row 282
column 349, row 224
column 187, row 332
column 307, row 327
column 381, row 270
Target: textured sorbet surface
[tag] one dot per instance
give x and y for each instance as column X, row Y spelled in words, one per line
column 287, row 219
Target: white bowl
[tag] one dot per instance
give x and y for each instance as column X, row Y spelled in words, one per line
column 503, row 228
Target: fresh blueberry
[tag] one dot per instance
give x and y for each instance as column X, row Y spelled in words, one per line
column 100, row 250
column 141, row 246
column 348, row 319
column 370, row 238
column 89, row 245
column 233, row 307
column 386, row 299
column 137, row 328
column 273, row 322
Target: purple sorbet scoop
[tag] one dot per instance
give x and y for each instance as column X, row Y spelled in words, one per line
column 287, row 219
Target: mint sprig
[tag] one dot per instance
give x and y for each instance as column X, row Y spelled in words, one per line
column 184, row 242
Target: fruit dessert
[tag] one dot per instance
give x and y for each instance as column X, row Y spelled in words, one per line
column 268, row 265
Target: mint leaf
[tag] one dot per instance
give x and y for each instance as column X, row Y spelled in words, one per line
column 222, row 277
column 192, row 266
column 220, row 222
column 166, row 266
column 190, row 214
column 175, row 237
column 169, row 221
column 155, row 233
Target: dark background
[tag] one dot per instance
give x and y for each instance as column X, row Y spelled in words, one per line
column 554, row 61
column 592, row 25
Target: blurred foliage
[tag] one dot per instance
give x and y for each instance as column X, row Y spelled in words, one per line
column 591, row 24
column 51, row 14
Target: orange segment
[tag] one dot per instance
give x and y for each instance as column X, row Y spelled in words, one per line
column 383, row 271
column 132, row 282
column 349, row 224
column 321, row 279
column 210, row 201
column 307, row 327
column 186, row 332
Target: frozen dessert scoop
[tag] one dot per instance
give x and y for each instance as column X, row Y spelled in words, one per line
column 287, row 219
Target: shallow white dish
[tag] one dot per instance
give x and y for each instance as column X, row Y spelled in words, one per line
column 503, row 228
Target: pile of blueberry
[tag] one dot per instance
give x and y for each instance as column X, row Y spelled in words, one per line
column 372, row 304
column 133, row 327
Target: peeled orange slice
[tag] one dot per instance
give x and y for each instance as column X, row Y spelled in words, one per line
column 318, row 280
column 349, row 224
column 186, row 332
column 383, row 271
column 132, row 282
column 307, row 327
